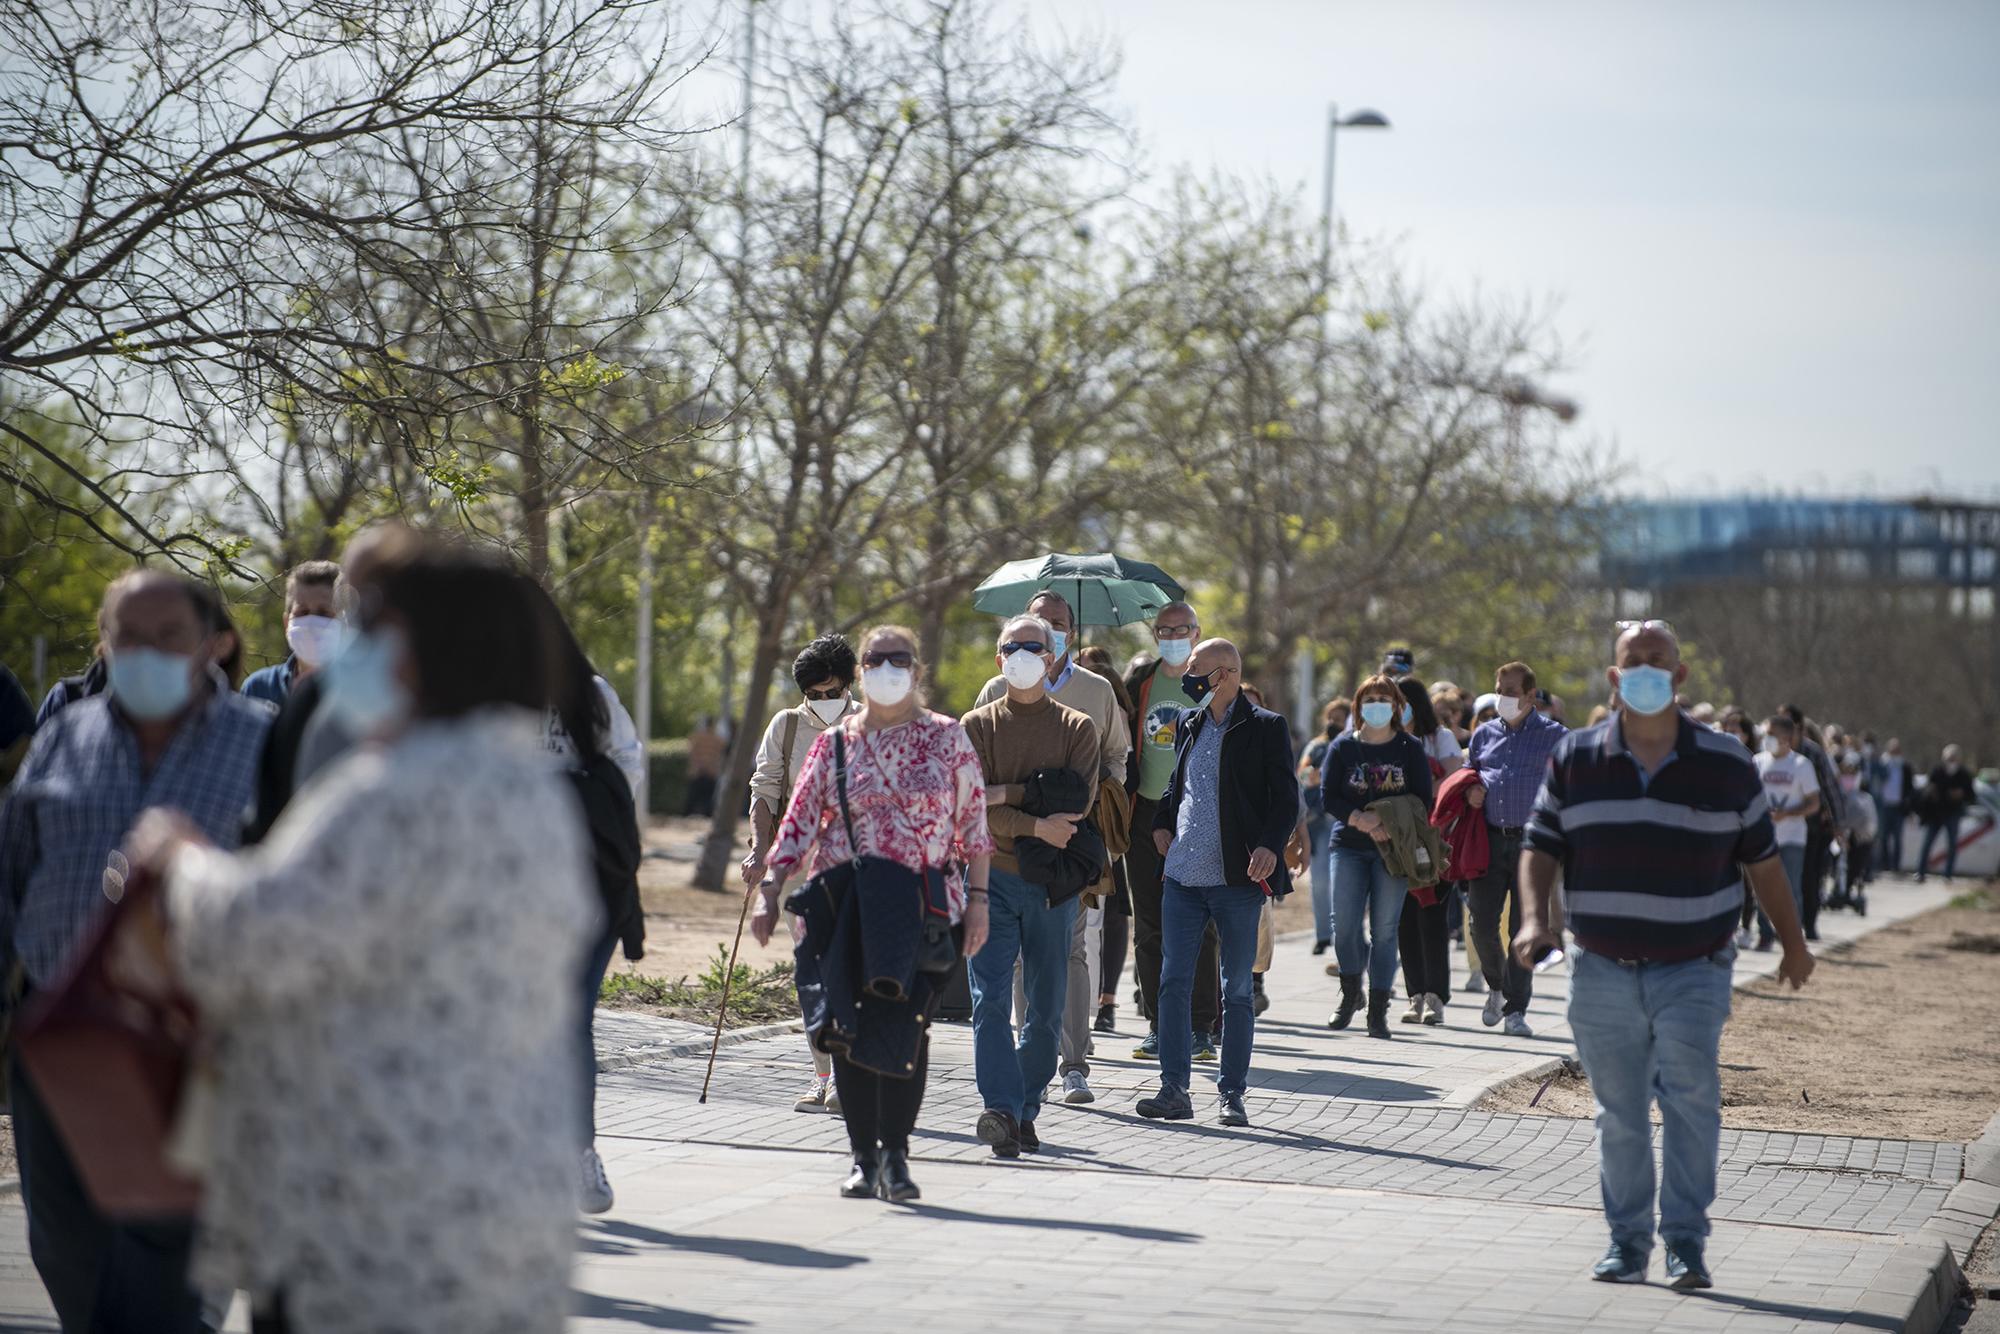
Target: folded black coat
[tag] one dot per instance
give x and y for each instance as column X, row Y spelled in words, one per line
column 841, row 929
column 1067, row 871
column 615, row 848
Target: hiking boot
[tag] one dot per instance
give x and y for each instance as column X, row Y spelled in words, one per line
column 1378, row 1014
column 1350, row 1001
column 1000, row 1131
column 1169, row 1104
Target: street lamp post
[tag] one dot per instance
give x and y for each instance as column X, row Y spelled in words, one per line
column 1360, row 120
column 1303, row 668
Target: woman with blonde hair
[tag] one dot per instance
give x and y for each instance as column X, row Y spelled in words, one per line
column 900, row 784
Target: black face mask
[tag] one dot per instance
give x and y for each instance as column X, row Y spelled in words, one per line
column 1195, row 685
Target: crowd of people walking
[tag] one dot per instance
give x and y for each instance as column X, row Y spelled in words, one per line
column 393, row 869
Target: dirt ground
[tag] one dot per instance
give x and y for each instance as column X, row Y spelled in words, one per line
column 685, row 925
column 1892, row 1038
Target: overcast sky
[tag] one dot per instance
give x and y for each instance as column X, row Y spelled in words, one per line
column 1773, row 225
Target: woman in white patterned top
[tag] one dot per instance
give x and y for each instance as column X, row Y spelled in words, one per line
column 389, row 982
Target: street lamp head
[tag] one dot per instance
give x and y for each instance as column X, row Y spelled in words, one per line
column 1365, row 120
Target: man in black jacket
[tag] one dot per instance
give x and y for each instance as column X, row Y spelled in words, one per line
column 1229, row 808
column 1157, row 703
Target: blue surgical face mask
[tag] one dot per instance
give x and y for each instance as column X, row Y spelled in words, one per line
column 150, row 685
column 1174, row 652
column 1409, row 713
column 1377, row 712
column 363, row 692
column 1646, row 690
column 1058, row 643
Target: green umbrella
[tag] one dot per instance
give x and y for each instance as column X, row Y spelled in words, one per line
column 1102, row 588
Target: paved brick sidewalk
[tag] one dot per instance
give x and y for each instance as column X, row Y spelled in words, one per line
column 1366, row 1196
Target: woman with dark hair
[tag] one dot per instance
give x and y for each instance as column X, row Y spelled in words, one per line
column 914, row 795
column 824, row 673
column 391, row 978
column 591, row 736
column 1319, row 825
column 1423, row 934
column 1378, row 759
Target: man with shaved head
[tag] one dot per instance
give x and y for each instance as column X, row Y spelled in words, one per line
column 1648, row 816
column 1229, row 809
column 168, row 731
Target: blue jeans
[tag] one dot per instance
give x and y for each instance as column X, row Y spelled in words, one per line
column 1651, row 1030
column 1319, row 832
column 1185, row 912
column 1012, row 1075
column 1948, row 831
column 1367, row 902
column 1793, row 858
column 1889, row 843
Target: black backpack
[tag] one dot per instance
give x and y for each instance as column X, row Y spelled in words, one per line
column 615, row 848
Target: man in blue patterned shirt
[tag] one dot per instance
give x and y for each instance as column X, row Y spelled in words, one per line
column 168, row 732
column 1649, row 816
column 1510, row 754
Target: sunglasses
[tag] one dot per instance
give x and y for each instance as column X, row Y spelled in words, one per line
column 831, row 692
column 1627, row 626
column 1034, row 646
column 896, row 659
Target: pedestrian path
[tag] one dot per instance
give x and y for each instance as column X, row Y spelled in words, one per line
column 1367, row 1195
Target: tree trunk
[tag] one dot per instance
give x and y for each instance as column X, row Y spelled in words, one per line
column 718, row 849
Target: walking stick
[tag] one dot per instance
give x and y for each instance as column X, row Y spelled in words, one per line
column 722, row 1012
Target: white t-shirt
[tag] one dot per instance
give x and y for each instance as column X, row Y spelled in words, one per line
column 1788, row 782
column 1442, row 746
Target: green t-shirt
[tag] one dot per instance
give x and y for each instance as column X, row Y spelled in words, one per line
column 1164, row 701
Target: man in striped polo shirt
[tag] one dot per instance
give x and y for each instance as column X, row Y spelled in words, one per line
column 1651, row 819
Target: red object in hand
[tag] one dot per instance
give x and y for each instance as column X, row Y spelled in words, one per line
column 110, row 1063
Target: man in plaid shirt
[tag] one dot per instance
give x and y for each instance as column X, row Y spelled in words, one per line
column 169, row 732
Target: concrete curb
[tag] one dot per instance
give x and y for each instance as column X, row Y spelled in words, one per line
column 9, row 1186
column 667, row 1051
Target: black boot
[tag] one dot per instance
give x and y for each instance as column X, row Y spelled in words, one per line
column 1378, row 1014
column 863, row 1182
column 896, row 1186
column 1350, row 1000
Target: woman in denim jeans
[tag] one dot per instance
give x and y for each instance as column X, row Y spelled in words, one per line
column 1380, row 759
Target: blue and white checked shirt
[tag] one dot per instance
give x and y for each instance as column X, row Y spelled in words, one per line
column 80, row 791
column 1195, row 856
column 1511, row 763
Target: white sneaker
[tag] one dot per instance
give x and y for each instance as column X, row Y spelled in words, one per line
column 1076, row 1089
column 1517, row 1026
column 1415, row 1014
column 1746, row 939
column 596, row 1192
column 1475, row 982
column 815, row 1099
column 1491, row 1014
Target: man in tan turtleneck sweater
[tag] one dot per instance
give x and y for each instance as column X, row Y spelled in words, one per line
column 1015, row 735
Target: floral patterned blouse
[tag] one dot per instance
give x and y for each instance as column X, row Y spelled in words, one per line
column 916, row 792
column 389, row 981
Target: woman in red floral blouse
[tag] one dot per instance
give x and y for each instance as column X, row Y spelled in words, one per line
column 917, row 797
